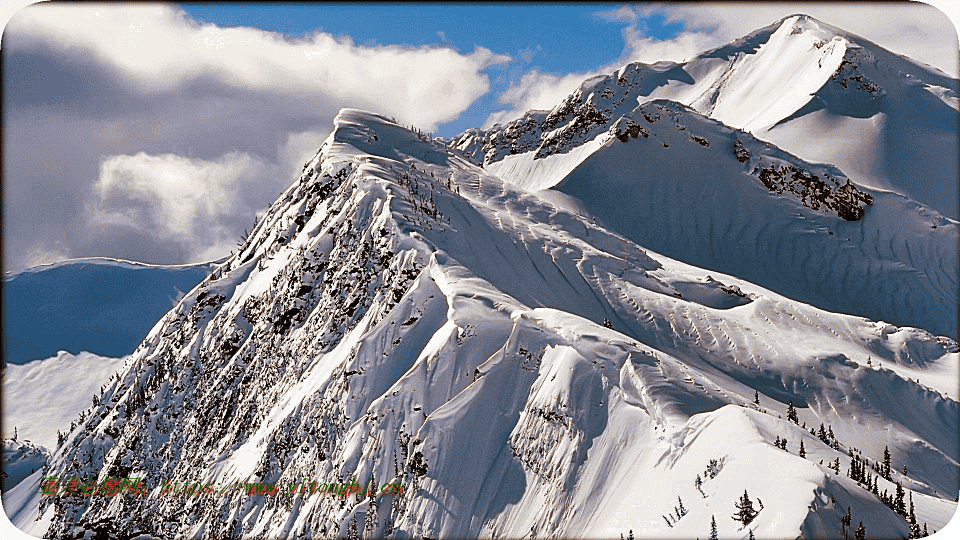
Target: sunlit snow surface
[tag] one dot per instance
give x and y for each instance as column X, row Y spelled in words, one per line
column 43, row 396
column 403, row 314
column 851, row 109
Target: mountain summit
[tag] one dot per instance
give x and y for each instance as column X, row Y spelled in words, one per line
column 689, row 183
column 822, row 94
column 509, row 361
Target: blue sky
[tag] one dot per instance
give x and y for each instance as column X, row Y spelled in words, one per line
column 555, row 39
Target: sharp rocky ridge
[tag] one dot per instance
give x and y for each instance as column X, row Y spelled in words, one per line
column 521, row 362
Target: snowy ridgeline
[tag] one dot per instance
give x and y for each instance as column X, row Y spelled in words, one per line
column 679, row 183
column 402, row 314
column 98, row 305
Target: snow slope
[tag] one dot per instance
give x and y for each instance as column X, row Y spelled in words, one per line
column 814, row 90
column 401, row 314
column 99, row 305
column 21, row 459
column 693, row 188
column 41, row 397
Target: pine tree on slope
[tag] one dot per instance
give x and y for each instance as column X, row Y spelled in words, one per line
column 745, row 512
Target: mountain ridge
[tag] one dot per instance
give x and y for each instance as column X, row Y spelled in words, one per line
column 516, row 345
column 381, row 335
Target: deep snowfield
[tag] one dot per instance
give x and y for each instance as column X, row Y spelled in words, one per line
column 402, row 314
column 44, row 396
column 99, row 305
column 690, row 187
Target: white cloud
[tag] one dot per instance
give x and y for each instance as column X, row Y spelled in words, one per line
column 173, row 199
column 916, row 30
column 42, row 254
column 160, row 49
column 184, row 109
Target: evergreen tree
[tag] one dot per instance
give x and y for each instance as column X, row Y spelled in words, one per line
column 914, row 526
column 352, row 530
column 745, row 512
column 751, row 537
column 681, row 511
column 370, row 522
column 756, row 398
column 898, row 503
column 845, row 522
column 803, row 451
column 792, row 413
column 713, row 529
column 886, row 463
column 861, row 533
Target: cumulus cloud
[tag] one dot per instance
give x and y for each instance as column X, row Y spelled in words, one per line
column 916, row 30
column 96, row 95
column 159, row 49
column 193, row 203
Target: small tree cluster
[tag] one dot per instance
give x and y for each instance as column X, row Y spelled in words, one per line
column 780, row 443
column 792, row 413
column 745, row 511
column 713, row 468
column 678, row 512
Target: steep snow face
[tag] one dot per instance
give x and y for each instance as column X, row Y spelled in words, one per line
column 696, row 190
column 99, row 305
column 403, row 315
column 816, row 91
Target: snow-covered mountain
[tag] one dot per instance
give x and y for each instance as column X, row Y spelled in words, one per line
column 42, row 397
column 99, row 305
column 401, row 314
column 690, row 187
column 516, row 361
column 812, row 89
column 21, row 458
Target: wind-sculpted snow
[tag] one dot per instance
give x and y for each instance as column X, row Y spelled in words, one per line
column 402, row 314
column 818, row 92
column 693, row 189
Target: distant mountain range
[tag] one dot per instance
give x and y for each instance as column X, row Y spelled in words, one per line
column 99, row 305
